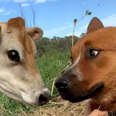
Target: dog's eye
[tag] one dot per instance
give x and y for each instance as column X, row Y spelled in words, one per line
column 13, row 55
column 92, row 53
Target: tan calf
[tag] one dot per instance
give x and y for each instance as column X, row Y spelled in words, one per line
column 19, row 76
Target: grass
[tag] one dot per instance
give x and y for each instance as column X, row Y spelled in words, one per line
column 50, row 66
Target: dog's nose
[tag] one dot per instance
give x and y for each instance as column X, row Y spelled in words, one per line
column 61, row 84
column 44, row 98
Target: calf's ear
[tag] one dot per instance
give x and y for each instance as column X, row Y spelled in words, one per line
column 17, row 23
column 94, row 25
column 35, row 32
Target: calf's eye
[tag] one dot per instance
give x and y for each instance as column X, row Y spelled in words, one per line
column 13, row 55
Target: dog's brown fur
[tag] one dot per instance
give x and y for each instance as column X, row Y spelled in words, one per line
column 101, row 69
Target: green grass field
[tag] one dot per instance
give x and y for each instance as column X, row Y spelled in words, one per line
column 50, row 66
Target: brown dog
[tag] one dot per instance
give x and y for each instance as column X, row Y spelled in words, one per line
column 93, row 70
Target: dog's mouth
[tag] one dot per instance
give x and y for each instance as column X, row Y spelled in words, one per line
column 72, row 97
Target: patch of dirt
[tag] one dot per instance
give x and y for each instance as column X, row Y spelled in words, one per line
column 59, row 107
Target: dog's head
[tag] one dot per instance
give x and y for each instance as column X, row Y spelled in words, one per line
column 93, row 70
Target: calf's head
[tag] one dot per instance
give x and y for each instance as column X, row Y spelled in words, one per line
column 19, row 77
column 93, row 70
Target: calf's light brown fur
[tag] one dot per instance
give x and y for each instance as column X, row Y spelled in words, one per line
column 20, row 79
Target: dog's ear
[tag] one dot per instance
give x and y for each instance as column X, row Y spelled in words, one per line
column 35, row 32
column 94, row 25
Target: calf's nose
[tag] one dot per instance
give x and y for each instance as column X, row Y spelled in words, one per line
column 44, row 98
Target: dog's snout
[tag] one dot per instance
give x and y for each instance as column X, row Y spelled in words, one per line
column 44, row 98
column 61, row 84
